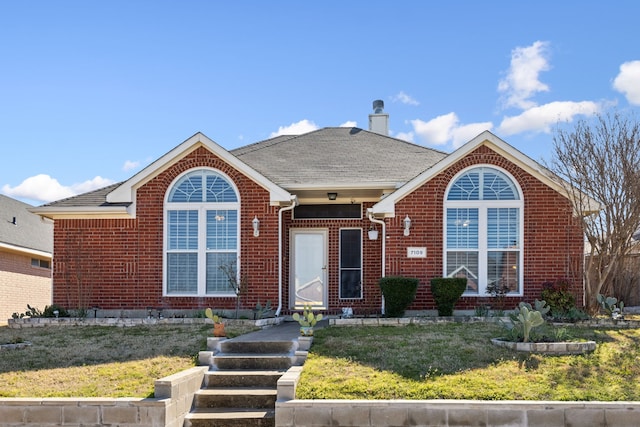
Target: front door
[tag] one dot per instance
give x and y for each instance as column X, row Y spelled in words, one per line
column 308, row 284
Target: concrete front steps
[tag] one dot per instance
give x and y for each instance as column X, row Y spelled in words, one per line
column 240, row 388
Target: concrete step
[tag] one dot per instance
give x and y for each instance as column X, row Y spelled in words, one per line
column 252, row 361
column 233, row 346
column 243, row 378
column 230, row 417
column 237, row 397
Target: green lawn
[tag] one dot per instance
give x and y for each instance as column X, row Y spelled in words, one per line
column 457, row 361
column 443, row 361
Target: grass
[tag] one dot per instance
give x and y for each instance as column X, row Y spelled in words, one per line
column 440, row 361
column 457, row 361
column 99, row 361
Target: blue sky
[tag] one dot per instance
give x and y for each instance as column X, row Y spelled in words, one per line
column 92, row 91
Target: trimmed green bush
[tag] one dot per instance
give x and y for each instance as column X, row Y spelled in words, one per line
column 399, row 292
column 446, row 292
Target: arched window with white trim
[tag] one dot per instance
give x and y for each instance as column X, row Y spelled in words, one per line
column 202, row 234
column 483, row 231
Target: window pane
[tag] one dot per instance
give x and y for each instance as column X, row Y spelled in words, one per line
column 497, row 186
column 182, row 230
column 462, row 228
column 351, row 263
column 350, row 248
column 503, row 228
column 217, row 279
column 503, row 269
column 219, row 190
column 188, row 189
column 464, row 264
column 466, row 187
column 222, row 229
column 182, row 273
column 350, row 284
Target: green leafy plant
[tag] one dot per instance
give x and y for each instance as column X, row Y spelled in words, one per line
column 446, row 292
column 308, row 319
column 399, row 292
column 498, row 292
column 558, row 296
column 611, row 306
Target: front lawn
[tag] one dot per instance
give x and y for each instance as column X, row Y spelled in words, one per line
column 457, row 361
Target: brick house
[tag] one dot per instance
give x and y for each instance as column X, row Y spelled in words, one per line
column 292, row 216
column 26, row 245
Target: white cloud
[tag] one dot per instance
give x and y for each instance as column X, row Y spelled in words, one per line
column 405, row 136
column 404, row 99
column 437, row 131
column 521, row 81
column 46, row 189
column 542, row 118
column 463, row 134
column 130, row 164
column 627, row 81
column 303, row 126
column 349, row 124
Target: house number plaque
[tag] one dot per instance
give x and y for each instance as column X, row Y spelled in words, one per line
column 413, row 252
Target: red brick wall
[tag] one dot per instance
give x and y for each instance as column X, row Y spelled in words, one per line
column 117, row 263
column 553, row 239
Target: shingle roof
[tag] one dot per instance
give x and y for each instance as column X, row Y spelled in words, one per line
column 337, row 156
column 93, row 198
column 329, row 156
column 29, row 231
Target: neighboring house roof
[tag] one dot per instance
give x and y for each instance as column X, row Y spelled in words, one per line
column 23, row 231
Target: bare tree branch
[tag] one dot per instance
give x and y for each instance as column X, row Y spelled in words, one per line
column 601, row 160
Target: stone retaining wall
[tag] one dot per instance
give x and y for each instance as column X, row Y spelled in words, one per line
column 173, row 399
column 459, row 413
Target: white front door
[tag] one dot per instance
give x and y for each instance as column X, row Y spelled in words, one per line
column 308, row 284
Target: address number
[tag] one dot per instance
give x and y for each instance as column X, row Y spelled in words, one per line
column 416, row 252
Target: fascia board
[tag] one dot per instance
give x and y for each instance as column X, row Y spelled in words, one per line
column 125, row 193
column 111, row 212
column 19, row 249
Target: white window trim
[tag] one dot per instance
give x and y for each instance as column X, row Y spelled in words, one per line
column 202, row 208
column 483, row 206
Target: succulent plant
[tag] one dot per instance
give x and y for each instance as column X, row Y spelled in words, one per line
column 214, row 317
column 307, row 318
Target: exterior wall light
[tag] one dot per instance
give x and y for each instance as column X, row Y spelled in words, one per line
column 332, row 196
column 256, row 226
column 407, row 225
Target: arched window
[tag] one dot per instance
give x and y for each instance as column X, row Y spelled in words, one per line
column 201, row 234
column 483, row 231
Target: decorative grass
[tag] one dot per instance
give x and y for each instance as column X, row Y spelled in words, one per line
column 99, row 361
column 457, row 361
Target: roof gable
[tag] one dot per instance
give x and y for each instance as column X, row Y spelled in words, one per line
column 386, row 206
column 125, row 192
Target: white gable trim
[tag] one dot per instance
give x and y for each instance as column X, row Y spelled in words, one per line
column 386, row 207
column 125, row 193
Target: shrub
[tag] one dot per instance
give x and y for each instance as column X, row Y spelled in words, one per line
column 446, row 292
column 399, row 292
column 557, row 295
